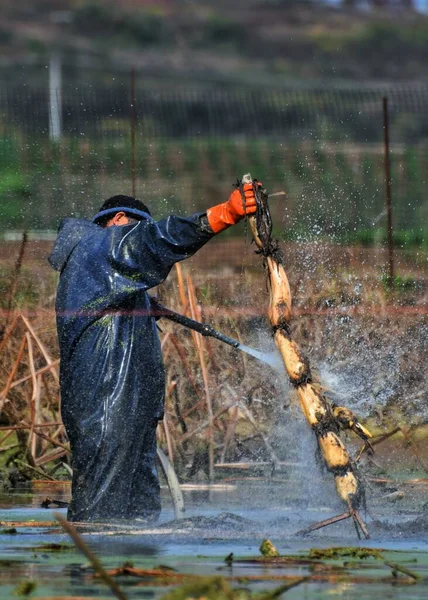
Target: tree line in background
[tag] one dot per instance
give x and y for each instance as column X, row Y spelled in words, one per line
column 207, row 41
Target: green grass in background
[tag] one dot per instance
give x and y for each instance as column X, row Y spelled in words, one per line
column 333, row 194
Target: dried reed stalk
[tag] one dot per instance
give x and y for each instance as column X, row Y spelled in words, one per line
column 230, row 431
column 181, row 288
column 208, row 423
column 168, row 439
column 5, row 437
column 17, row 271
column 407, row 436
column 35, row 470
column 15, row 366
column 10, row 447
column 182, row 354
column 81, row 545
column 38, row 372
column 33, row 416
column 8, row 332
column 199, row 405
column 50, row 456
column 11, row 428
column 59, row 430
column 36, row 416
column 180, row 419
column 165, row 339
column 376, row 441
column 42, row 348
column 199, row 343
column 47, row 437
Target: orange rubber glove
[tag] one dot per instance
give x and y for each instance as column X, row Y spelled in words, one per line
column 229, row 213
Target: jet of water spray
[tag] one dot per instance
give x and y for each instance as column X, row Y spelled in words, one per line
column 273, row 359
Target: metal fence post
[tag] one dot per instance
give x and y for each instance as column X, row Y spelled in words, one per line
column 55, row 99
column 388, row 193
column 133, row 120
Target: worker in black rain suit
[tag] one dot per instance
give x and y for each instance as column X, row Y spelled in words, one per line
column 111, row 376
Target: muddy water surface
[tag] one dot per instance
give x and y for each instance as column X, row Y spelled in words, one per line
column 232, row 518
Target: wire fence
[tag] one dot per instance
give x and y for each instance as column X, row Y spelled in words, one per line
column 352, row 113
column 64, row 151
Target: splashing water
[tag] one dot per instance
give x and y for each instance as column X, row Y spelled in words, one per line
column 273, row 359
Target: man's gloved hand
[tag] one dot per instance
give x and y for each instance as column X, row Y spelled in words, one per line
column 229, row 213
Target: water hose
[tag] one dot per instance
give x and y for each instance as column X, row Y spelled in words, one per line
column 158, row 310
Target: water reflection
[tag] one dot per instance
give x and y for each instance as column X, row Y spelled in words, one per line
column 232, row 517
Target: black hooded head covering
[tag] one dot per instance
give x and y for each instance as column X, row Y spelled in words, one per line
column 130, row 206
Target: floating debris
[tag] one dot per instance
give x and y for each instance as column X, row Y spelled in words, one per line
column 393, row 496
column 8, row 531
column 24, row 588
column 337, row 553
column 400, row 569
column 268, row 549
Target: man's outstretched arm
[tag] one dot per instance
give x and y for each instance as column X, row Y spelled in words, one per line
column 151, row 248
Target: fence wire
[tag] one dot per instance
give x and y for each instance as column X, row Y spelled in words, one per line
column 323, row 146
column 183, row 113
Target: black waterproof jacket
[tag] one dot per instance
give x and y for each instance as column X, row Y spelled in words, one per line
column 112, row 378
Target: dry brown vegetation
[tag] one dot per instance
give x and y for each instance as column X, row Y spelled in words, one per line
column 221, row 405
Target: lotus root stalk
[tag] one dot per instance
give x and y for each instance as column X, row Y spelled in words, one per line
column 323, row 418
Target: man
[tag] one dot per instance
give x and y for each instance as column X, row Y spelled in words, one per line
column 112, row 378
